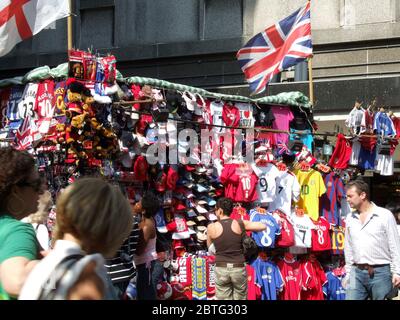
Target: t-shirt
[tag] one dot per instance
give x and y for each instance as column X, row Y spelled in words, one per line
column 302, row 230
column 216, row 109
column 384, row 164
column 313, row 280
column 338, row 239
column 333, row 288
column 27, row 104
column 292, row 278
column 354, row 119
column 383, row 124
column 265, row 238
column 367, row 159
column 306, row 138
column 269, row 278
column 267, row 177
column 14, row 105
column 231, row 115
column 246, row 190
column 45, row 105
column 299, row 121
column 264, row 117
column 283, row 115
column 121, row 268
column 355, row 152
column 330, row 201
column 321, row 238
column 246, row 115
column 288, row 189
column 312, row 187
column 286, row 238
column 17, row 239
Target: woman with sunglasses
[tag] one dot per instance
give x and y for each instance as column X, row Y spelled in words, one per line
column 20, row 188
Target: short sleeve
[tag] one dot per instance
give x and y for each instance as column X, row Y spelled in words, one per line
column 290, row 115
column 278, row 279
column 20, row 242
column 321, row 184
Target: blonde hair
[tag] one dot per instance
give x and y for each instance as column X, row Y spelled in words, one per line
column 44, row 206
column 96, row 213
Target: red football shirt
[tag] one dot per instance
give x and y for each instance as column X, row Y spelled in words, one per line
column 286, row 238
column 292, row 278
column 246, row 190
column 313, row 279
column 320, row 237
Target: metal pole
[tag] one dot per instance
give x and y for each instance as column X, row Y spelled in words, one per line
column 69, row 22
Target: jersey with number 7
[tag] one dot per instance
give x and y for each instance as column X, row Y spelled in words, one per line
column 303, row 226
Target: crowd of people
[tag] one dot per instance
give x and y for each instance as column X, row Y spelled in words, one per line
column 103, row 242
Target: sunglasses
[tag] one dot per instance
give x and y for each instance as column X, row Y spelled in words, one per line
column 36, row 185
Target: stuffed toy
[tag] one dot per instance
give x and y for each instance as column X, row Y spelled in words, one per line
column 60, row 135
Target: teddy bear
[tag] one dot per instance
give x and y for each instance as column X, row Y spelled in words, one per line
column 60, row 133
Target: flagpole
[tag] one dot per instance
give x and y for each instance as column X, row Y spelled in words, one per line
column 310, row 77
column 69, row 22
column 310, row 81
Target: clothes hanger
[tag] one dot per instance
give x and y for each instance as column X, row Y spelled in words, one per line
column 289, row 256
column 305, row 166
column 263, row 255
column 299, row 212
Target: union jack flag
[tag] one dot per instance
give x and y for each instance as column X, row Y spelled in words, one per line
column 277, row 48
column 23, row 135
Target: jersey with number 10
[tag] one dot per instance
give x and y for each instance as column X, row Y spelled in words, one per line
column 267, row 237
column 312, row 187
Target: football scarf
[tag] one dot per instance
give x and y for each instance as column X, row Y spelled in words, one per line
column 199, row 278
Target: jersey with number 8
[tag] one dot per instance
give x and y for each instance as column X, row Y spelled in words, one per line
column 321, row 239
column 267, row 237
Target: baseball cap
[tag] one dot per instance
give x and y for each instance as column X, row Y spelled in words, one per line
column 190, row 223
column 201, row 209
column 211, row 216
column 172, row 178
column 176, row 244
column 161, row 181
column 261, row 149
column 179, row 206
column 200, row 218
column 200, row 188
column 140, row 168
column 201, row 228
column 190, row 168
column 191, row 213
column 201, row 236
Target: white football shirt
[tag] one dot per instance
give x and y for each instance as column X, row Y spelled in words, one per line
column 267, row 176
column 287, row 189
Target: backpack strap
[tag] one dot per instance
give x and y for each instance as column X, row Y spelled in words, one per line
column 241, row 224
column 50, row 287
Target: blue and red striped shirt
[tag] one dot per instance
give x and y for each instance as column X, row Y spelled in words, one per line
column 330, row 201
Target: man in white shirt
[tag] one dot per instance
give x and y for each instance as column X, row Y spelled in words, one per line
column 372, row 247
